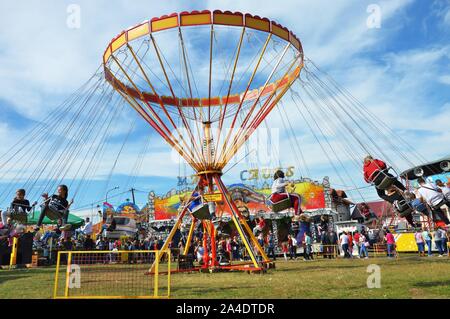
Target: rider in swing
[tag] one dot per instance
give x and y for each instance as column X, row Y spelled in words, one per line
column 58, row 205
column 374, row 172
column 196, row 199
column 279, row 192
column 19, row 206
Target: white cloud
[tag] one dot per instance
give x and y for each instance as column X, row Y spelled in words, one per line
column 43, row 61
column 444, row 79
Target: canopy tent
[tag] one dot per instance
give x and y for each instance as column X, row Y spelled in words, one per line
column 428, row 169
column 72, row 220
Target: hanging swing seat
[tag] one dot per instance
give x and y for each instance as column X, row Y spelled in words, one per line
column 201, row 211
column 52, row 213
column 281, row 205
column 383, row 181
column 20, row 217
column 403, row 208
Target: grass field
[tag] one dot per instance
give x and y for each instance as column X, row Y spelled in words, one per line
column 407, row 277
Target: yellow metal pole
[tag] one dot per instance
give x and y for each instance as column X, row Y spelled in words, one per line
column 255, row 241
column 168, row 275
column 68, row 270
column 155, row 292
column 234, row 214
column 189, row 239
column 241, row 233
column 13, row 258
column 55, row 287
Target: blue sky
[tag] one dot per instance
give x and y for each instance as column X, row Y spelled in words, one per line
column 401, row 70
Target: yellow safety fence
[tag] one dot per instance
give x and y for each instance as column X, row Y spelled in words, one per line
column 13, row 257
column 112, row 274
column 380, row 250
column 328, row 251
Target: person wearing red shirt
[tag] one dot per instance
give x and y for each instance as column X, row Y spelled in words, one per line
column 350, row 244
column 373, row 167
column 356, row 240
column 260, row 224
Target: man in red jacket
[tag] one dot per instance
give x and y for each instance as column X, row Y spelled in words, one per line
column 372, row 167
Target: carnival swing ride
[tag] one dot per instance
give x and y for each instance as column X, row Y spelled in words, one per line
column 205, row 82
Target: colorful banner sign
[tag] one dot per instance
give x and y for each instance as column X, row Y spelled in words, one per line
column 128, row 208
column 247, row 199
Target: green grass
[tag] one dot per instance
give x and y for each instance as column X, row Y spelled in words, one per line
column 407, row 277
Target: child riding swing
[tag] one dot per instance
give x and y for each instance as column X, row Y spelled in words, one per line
column 56, row 207
column 19, row 208
column 280, row 198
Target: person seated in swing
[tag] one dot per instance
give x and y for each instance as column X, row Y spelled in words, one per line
column 432, row 195
column 196, row 200
column 19, row 207
column 56, row 205
column 375, row 171
column 279, row 192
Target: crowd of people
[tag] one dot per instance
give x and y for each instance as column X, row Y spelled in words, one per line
column 299, row 242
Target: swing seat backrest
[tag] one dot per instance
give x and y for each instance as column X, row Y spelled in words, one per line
column 53, row 214
column 19, row 217
column 404, row 208
column 383, row 181
column 201, row 211
column 281, row 205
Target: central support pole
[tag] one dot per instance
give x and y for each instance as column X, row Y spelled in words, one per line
column 254, row 250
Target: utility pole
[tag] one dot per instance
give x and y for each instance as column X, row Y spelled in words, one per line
column 132, row 195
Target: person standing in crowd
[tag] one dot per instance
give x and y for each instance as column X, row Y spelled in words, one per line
column 356, row 236
column 235, row 249
column 101, row 244
column 326, row 245
column 292, row 243
column 427, row 238
column 271, row 245
column 446, row 240
column 363, row 244
column 439, row 235
column 307, row 247
column 261, row 243
column 199, row 251
column 420, row 243
column 285, row 250
column 343, row 241
column 334, row 242
column 229, row 248
column 88, row 243
column 350, row 244
column 390, row 244
column 295, row 227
